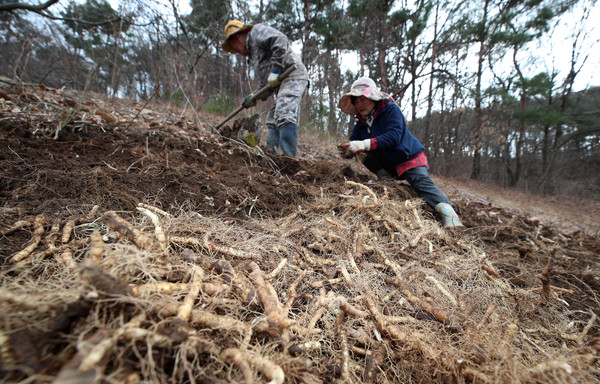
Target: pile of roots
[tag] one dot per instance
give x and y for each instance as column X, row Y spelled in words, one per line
column 353, row 287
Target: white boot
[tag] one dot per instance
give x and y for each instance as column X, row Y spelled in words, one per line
column 449, row 217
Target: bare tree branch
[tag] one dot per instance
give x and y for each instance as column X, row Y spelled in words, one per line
column 28, row 7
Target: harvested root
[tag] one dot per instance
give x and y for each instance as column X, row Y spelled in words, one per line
column 586, row 329
column 67, row 230
column 276, row 313
column 16, row 226
column 155, row 209
column 449, row 319
column 271, row 370
column 163, row 287
column 341, row 331
column 24, row 301
column 120, row 225
column 158, row 231
column 52, row 251
column 168, row 288
column 274, row 273
column 292, row 294
column 202, row 317
column 50, row 239
column 237, row 357
column 367, row 189
column 241, row 285
column 488, row 312
column 96, row 246
column 66, row 259
column 490, row 270
column 99, row 350
column 374, row 360
column 38, row 231
column 305, row 347
column 342, row 303
column 92, row 273
column 322, row 283
column 443, row 290
column 186, row 308
column 217, row 248
column 413, row 341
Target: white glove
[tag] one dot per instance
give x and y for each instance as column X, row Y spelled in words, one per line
column 359, row 146
column 273, row 79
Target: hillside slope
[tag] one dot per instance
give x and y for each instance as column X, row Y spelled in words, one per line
column 137, row 246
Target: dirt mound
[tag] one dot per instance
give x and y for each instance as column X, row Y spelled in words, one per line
column 137, row 246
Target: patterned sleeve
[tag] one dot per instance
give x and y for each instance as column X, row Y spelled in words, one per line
column 269, row 38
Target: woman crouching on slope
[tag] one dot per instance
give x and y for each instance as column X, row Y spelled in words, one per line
column 392, row 150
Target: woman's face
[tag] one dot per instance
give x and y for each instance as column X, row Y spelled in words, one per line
column 364, row 105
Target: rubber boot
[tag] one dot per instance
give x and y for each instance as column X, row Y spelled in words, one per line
column 449, row 217
column 273, row 140
column 288, row 139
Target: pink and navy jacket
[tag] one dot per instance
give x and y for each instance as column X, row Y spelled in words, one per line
column 390, row 136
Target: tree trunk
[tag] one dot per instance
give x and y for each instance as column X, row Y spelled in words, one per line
column 477, row 123
column 425, row 140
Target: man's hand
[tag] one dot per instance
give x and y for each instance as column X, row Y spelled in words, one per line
column 357, row 146
column 273, row 79
column 249, row 101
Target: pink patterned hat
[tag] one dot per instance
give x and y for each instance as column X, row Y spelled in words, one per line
column 364, row 86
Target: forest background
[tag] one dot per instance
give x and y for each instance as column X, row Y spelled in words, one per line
column 487, row 86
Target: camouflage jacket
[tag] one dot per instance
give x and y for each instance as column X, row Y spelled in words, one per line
column 269, row 49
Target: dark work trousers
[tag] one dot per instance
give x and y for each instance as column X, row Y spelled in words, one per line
column 418, row 178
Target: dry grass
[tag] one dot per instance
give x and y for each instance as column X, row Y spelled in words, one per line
column 372, row 290
column 565, row 214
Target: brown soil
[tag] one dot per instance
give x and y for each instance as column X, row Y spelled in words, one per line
column 116, row 154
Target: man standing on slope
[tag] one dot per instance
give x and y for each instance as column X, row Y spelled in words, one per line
column 269, row 54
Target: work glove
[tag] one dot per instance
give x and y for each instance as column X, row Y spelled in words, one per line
column 357, row 146
column 249, row 101
column 273, row 79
